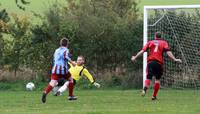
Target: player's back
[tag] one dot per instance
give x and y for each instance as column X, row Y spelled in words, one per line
column 60, row 60
column 157, row 48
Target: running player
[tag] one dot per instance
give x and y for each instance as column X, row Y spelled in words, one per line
column 155, row 61
column 60, row 70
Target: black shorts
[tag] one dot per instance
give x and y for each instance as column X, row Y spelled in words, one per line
column 62, row 81
column 154, row 69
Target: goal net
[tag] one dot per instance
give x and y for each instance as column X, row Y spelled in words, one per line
column 180, row 26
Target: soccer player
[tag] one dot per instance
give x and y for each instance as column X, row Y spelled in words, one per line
column 77, row 71
column 60, row 69
column 155, row 61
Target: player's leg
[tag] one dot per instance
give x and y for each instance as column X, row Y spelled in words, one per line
column 61, row 82
column 55, row 90
column 50, row 86
column 146, row 87
column 62, row 88
column 156, row 89
column 70, row 86
column 148, row 79
column 157, row 71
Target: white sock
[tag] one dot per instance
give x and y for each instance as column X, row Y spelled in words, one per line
column 64, row 87
column 55, row 89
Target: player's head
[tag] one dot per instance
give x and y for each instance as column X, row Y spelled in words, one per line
column 158, row 35
column 80, row 60
column 64, row 42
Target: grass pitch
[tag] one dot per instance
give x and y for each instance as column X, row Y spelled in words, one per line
column 101, row 102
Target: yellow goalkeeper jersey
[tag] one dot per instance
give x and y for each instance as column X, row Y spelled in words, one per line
column 78, row 71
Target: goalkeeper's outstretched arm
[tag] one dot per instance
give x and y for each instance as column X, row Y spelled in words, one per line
column 171, row 56
column 90, row 77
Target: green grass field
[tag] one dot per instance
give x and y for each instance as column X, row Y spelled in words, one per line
column 101, row 102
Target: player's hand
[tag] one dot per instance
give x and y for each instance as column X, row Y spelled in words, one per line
column 97, row 85
column 178, row 60
column 133, row 58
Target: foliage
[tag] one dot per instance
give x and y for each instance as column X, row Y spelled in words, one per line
column 105, row 32
column 20, row 4
column 19, row 31
column 4, row 19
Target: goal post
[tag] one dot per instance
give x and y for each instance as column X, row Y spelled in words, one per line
column 180, row 26
column 145, row 39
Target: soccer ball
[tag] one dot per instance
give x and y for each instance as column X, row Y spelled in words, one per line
column 30, row 86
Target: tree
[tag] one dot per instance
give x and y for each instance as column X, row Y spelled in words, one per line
column 4, row 19
column 20, row 4
column 20, row 32
column 105, row 32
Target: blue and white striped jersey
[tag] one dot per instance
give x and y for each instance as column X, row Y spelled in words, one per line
column 61, row 58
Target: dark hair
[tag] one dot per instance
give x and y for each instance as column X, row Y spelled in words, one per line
column 158, row 35
column 64, row 42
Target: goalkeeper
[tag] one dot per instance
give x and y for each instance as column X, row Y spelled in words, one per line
column 77, row 72
column 155, row 61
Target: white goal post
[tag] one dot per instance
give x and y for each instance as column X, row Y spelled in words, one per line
column 145, row 26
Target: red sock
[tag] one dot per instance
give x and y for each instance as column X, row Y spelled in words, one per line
column 156, row 88
column 48, row 89
column 71, row 88
column 147, row 83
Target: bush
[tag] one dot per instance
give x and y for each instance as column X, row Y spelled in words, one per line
column 105, row 32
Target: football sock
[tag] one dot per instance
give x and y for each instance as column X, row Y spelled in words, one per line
column 64, row 87
column 48, row 89
column 147, row 84
column 71, row 87
column 156, row 88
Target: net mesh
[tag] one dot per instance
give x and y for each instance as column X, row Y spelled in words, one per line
column 181, row 28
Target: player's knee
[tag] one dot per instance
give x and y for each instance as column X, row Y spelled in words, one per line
column 70, row 80
column 66, row 83
column 53, row 83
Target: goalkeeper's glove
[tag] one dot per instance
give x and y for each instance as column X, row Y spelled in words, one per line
column 96, row 84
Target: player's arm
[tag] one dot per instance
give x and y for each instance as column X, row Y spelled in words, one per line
column 70, row 64
column 73, row 63
column 90, row 78
column 67, row 56
column 171, row 56
column 137, row 55
column 169, row 53
column 140, row 52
